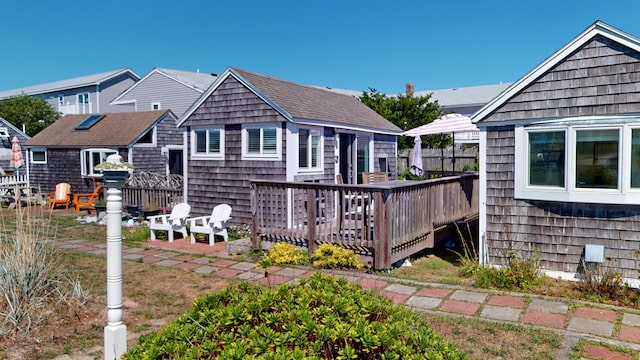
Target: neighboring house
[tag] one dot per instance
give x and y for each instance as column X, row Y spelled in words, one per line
column 7, row 132
column 69, row 149
column 88, row 94
column 165, row 89
column 462, row 100
column 560, row 159
column 251, row 126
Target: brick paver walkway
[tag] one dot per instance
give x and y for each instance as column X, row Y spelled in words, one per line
column 614, row 325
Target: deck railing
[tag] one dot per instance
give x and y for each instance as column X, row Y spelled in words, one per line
column 388, row 221
column 12, row 180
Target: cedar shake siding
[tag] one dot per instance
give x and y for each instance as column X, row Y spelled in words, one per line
column 64, row 142
column 557, row 230
column 385, row 148
column 239, row 98
column 63, row 165
column 151, row 159
column 213, row 182
column 599, row 78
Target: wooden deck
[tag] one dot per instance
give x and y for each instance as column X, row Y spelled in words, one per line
column 387, row 221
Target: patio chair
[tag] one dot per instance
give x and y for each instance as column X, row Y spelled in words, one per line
column 175, row 221
column 86, row 201
column 215, row 224
column 60, row 197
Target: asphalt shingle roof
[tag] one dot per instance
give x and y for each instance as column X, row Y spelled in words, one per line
column 81, row 81
column 199, row 81
column 312, row 103
column 113, row 130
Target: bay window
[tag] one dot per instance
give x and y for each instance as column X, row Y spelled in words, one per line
column 579, row 161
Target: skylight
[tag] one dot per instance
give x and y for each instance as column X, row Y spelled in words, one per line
column 89, row 122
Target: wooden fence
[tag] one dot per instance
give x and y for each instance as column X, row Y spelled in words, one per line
column 151, row 199
column 388, row 221
column 435, row 160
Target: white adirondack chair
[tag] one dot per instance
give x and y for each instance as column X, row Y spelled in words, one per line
column 215, row 224
column 175, row 221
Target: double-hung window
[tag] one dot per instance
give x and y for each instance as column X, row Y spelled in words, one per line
column 579, row 161
column 90, row 158
column 207, row 143
column 309, row 149
column 261, row 142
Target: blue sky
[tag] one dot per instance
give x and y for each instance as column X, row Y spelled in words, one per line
column 344, row 44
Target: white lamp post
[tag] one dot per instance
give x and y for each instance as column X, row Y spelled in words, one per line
column 114, row 174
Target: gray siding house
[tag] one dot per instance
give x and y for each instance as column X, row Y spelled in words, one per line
column 165, row 89
column 7, row 132
column 560, row 159
column 69, row 149
column 88, row 94
column 251, row 126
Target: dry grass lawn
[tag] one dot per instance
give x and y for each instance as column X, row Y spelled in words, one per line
column 156, row 295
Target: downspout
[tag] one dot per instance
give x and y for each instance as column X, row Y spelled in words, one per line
column 185, row 165
column 482, row 226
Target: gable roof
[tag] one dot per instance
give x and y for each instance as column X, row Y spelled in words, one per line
column 197, row 81
column 88, row 80
column 304, row 104
column 22, row 136
column 113, row 130
column 598, row 28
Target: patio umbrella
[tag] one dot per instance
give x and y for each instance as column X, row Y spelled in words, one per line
column 416, row 157
column 449, row 123
column 17, row 160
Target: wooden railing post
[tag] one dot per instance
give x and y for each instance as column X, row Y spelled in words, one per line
column 382, row 240
column 254, row 214
column 311, row 220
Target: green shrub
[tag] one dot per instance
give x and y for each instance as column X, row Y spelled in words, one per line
column 519, row 274
column 329, row 256
column 140, row 233
column 320, row 318
column 285, row 253
column 601, row 282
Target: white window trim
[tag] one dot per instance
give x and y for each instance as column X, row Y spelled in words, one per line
column 154, row 104
column 4, row 133
column 262, row 157
column 83, row 96
column 32, row 161
column 88, row 170
column 319, row 168
column 623, row 194
column 154, row 139
column 207, row 156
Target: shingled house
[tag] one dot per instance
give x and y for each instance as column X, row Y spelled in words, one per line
column 560, row 159
column 251, row 126
column 69, row 149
